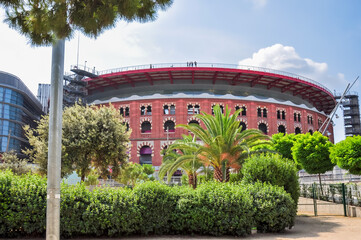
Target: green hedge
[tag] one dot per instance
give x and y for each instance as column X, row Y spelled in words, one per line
column 150, row 208
column 273, row 169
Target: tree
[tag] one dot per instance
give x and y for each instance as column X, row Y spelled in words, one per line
column 312, row 152
column 347, row 154
column 133, row 173
column 283, row 143
column 50, row 22
column 182, row 154
column 91, row 136
column 12, row 162
column 224, row 144
column 44, row 22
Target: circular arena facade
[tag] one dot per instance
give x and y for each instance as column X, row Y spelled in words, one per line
column 155, row 98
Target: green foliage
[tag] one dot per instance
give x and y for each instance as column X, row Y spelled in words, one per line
column 156, row 205
column 214, row 209
column 22, row 204
column 12, row 162
column 133, row 173
column 272, row 169
column 283, row 143
column 92, row 178
column 182, row 154
column 312, row 152
column 91, row 135
column 150, row 208
column 48, row 20
column 275, row 208
column 347, row 154
column 224, row 144
column 235, row 177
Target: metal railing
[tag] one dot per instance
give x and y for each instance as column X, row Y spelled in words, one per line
column 203, row 65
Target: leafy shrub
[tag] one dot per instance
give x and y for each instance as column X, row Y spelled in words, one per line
column 214, row 209
column 150, row 208
column 156, row 203
column 274, row 169
column 22, row 204
column 275, row 208
column 235, row 177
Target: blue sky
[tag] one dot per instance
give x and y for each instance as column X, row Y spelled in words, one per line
column 316, row 39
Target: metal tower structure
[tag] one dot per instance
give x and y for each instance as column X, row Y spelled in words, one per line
column 74, row 87
column 351, row 114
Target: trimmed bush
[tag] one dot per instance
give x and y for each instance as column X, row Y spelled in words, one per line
column 214, row 209
column 275, row 208
column 150, row 208
column 22, row 204
column 273, row 169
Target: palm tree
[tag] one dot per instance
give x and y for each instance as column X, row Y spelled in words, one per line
column 224, row 144
column 182, row 154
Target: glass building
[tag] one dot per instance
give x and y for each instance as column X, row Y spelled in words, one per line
column 18, row 107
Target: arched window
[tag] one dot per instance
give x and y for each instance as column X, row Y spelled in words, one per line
column 281, row 129
column 165, row 109
column 172, row 109
column 194, row 121
column 263, row 128
column 310, row 131
column 149, row 110
column 146, row 127
column 299, row 117
column 283, row 115
column 127, row 111
column 121, row 111
column 297, row 130
column 169, row 125
column 190, row 109
column 311, row 120
column 243, row 125
column 196, row 109
column 278, row 114
column 142, row 110
column 244, row 111
column 221, row 107
column 264, row 112
column 259, row 112
column 145, row 155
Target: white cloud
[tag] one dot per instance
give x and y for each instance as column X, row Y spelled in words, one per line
column 285, row 58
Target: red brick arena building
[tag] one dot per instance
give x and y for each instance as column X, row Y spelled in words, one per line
column 155, row 98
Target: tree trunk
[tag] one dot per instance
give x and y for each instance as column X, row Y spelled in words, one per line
column 227, row 175
column 218, row 175
column 319, row 178
column 192, row 180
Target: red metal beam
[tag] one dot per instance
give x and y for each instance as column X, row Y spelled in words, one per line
column 301, row 91
column 215, row 77
column 254, row 81
column 130, row 81
column 170, row 77
column 150, row 80
column 111, row 83
column 285, row 88
column 235, row 78
column 271, row 84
